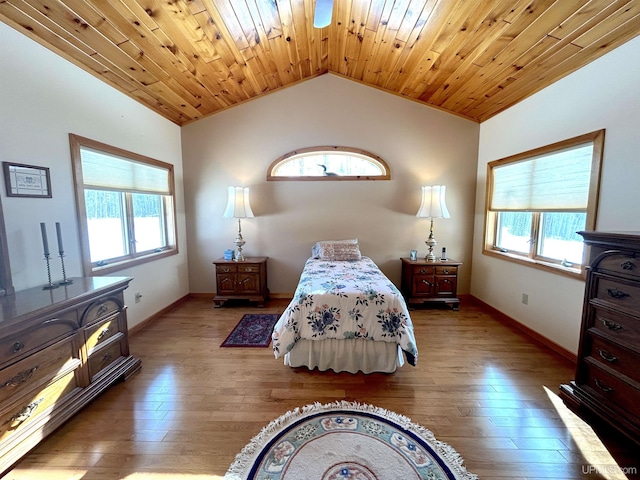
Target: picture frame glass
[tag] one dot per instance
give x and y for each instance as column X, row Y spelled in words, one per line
column 26, row 180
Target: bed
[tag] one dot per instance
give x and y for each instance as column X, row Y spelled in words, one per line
column 345, row 315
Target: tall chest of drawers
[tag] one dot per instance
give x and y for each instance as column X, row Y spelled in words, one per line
column 59, row 349
column 607, row 381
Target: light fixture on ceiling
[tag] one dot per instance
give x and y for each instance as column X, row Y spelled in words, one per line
column 433, row 206
column 238, row 207
column 322, row 14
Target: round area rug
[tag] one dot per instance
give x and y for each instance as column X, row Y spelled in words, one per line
column 346, row 441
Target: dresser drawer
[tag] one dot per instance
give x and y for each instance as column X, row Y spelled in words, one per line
column 15, row 346
column 101, row 309
column 98, row 334
column 31, row 406
column 226, row 268
column 620, row 295
column 618, row 327
column 616, row 357
column 619, row 264
column 36, row 369
column 612, row 389
column 102, row 358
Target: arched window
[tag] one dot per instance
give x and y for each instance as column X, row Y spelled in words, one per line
column 329, row 163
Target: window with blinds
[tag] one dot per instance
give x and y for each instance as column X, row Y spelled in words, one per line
column 538, row 200
column 125, row 206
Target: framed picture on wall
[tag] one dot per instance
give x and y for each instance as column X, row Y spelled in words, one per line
column 26, row 180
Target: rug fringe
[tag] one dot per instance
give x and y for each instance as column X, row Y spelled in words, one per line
column 245, row 459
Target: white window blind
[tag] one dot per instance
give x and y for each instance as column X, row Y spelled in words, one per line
column 109, row 172
column 558, row 181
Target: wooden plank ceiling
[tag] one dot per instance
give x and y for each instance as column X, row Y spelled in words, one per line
column 187, row 59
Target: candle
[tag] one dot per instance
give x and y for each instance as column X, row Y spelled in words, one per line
column 45, row 243
column 59, row 233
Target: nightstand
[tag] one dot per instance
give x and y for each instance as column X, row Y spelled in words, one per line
column 426, row 282
column 246, row 280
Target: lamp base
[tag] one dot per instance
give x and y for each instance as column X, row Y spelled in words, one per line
column 239, row 256
column 431, row 242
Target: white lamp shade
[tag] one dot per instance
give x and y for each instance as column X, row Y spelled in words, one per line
column 433, row 203
column 238, row 205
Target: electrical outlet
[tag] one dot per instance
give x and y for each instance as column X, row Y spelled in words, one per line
column 138, row 297
column 525, row 299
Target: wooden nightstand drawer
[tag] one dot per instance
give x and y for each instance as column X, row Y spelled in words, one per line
column 447, row 270
column 226, row 268
column 253, row 268
column 423, row 270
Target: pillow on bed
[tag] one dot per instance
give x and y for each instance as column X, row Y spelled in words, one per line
column 337, row 250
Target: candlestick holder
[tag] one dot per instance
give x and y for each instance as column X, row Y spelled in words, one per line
column 49, row 285
column 65, row 280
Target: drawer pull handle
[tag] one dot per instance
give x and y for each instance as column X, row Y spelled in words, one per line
column 627, row 265
column 607, row 356
column 426, row 282
column 225, row 269
column 602, row 386
column 20, row 378
column 25, row 413
column 106, row 358
column 16, row 347
column 103, row 308
column 611, row 325
column 105, row 331
column 615, row 293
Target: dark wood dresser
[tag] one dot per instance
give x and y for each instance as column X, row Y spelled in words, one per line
column 607, row 381
column 59, row 349
column 427, row 282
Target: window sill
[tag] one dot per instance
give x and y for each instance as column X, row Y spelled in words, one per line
column 121, row 265
column 577, row 273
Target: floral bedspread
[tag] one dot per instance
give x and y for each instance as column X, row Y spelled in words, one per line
column 350, row 299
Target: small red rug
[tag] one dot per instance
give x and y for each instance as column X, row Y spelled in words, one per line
column 253, row 330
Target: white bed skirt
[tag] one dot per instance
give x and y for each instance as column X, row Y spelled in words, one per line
column 348, row 355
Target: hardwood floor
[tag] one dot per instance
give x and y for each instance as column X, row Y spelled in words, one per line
column 480, row 386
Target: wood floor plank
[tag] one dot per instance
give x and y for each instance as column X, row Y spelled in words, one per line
column 485, row 389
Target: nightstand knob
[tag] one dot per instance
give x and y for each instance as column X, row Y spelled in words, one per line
column 423, row 271
column 446, row 271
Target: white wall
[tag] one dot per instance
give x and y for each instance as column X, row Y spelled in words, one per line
column 43, row 98
column 422, row 145
column 603, row 94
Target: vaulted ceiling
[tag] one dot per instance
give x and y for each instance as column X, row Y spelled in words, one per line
column 187, row 59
